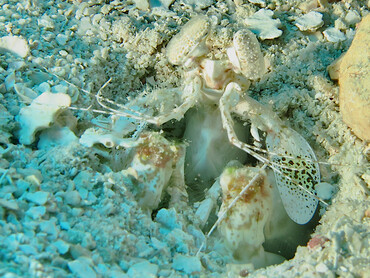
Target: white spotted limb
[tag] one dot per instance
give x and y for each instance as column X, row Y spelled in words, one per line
column 291, row 157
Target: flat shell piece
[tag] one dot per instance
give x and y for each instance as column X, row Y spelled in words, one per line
column 15, row 45
column 334, row 35
column 309, row 22
column 263, row 25
column 300, row 204
column 250, row 59
column 40, row 114
column 184, row 44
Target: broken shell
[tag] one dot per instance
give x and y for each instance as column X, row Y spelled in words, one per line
column 246, row 55
column 15, row 45
column 25, row 93
column 189, row 43
column 262, row 24
column 40, row 114
column 310, row 22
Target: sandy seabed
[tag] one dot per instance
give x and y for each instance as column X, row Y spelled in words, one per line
column 65, row 213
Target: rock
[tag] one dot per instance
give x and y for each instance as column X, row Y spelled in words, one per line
column 46, row 22
column 49, row 227
column 143, row 269
column 78, row 251
column 354, row 82
column 334, row 67
column 28, row 249
column 39, row 197
column 168, row 218
column 198, row 4
column 36, row 212
column 9, row 204
column 61, row 39
column 324, row 190
column 62, row 246
column 72, row 198
column 189, row 265
column 56, row 136
column 352, row 18
column 81, row 268
column 166, row 3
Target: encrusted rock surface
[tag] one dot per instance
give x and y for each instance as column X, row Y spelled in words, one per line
column 354, row 81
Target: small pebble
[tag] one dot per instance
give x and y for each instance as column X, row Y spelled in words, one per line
column 36, row 212
column 187, row 264
column 9, row 204
column 62, row 246
column 81, row 269
column 61, row 39
column 322, row 268
column 143, row 269
column 28, row 249
column 324, row 190
column 72, row 198
column 49, row 227
column 352, row 18
column 39, row 197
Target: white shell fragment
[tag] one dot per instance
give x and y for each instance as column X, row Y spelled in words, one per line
column 187, row 43
column 352, row 17
column 262, row 24
column 15, row 45
column 40, row 114
column 25, row 93
column 246, row 55
column 258, row 2
column 94, row 136
column 334, row 35
column 310, row 22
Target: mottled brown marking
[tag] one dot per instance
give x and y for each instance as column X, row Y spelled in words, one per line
column 156, row 155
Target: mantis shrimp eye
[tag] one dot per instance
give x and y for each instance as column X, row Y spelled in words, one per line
column 188, row 43
column 246, row 55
